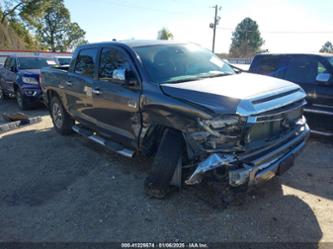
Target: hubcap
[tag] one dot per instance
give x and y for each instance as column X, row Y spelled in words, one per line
column 57, row 115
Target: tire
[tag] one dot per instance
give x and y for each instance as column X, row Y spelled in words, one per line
column 62, row 121
column 22, row 102
column 170, row 150
column 2, row 95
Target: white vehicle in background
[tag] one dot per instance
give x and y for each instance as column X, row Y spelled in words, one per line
column 63, row 60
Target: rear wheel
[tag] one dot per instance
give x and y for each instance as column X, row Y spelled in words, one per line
column 62, row 121
column 22, row 101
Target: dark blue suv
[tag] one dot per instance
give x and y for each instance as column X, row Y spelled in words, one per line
column 314, row 73
column 19, row 77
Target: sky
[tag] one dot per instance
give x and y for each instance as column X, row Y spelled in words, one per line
column 285, row 25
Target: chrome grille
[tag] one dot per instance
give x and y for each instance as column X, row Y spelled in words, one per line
column 271, row 124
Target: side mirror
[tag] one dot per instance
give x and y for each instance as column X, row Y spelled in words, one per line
column 131, row 78
column 128, row 77
column 119, row 74
column 324, row 79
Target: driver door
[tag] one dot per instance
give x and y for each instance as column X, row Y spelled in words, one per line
column 115, row 99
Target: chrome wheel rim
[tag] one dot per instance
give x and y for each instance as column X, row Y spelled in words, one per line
column 57, row 115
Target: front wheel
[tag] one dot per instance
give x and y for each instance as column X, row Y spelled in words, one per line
column 170, row 151
column 22, row 101
column 2, row 95
column 62, row 122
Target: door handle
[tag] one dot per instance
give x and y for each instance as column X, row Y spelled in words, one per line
column 97, row 92
column 69, row 83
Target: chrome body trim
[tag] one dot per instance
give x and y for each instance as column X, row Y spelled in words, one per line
column 322, row 133
column 324, row 106
column 247, row 108
column 318, row 111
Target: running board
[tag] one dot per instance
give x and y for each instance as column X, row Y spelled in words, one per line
column 115, row 147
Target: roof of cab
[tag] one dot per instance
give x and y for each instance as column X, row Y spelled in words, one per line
column 134, row 43
column 295, row 54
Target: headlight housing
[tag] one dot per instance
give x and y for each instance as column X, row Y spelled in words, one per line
column 220, row 132
column 226, row 124
column 30, row 80
column 222, row 122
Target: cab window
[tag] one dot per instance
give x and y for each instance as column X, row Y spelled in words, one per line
column 86, row 62
column 7, row 63
column 302, row 69
column 274, row 66
column 112, row 59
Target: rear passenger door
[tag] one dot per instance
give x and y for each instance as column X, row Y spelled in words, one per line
column 79, row 83
column 302, row 70
column 116, row 101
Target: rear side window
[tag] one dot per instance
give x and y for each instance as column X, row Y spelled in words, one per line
column 269, row 65
column 7, row 63
column 86, row 62
column 110, row 60
column 303, row 69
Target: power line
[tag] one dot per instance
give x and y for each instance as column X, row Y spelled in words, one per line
column 282, row 32
column 140, row 7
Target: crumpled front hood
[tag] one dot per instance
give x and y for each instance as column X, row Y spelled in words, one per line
column 223, row 94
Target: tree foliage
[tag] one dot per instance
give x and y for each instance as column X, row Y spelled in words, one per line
column 15, row 18
column 246, row 39
column 164, row 34
column 24, row 11
column 327, row 48
column 55, row 29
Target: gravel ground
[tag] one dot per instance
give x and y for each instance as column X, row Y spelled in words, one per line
column 55, row 188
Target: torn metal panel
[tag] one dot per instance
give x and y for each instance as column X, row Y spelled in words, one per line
column 212, row 162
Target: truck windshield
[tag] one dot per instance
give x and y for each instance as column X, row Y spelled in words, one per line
column 330, row 60
column 181, row 62
column 34, row 62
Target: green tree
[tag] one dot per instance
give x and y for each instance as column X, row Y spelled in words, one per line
column 164, row 34
column 327, row 48
column 246, row 39
column 55, row 29
column 25, row 11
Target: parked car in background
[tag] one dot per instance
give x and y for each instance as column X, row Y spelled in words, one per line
column 183, row 105
column 20, row 78
column 63, row 60
column 314, row 73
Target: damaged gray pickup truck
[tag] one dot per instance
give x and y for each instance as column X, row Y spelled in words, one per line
column 183, row 105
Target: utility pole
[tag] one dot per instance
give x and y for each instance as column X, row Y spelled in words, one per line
column 213, row 25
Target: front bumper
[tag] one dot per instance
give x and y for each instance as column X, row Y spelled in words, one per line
column 32, row 93
column 255, row 167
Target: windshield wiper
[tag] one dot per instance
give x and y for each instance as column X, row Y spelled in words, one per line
column 183, row 80
column 215, row 75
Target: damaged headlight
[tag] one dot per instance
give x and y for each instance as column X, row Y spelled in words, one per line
column 222, row 132
column 226, row 124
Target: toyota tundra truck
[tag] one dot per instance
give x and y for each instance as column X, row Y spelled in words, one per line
column 182, row 105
